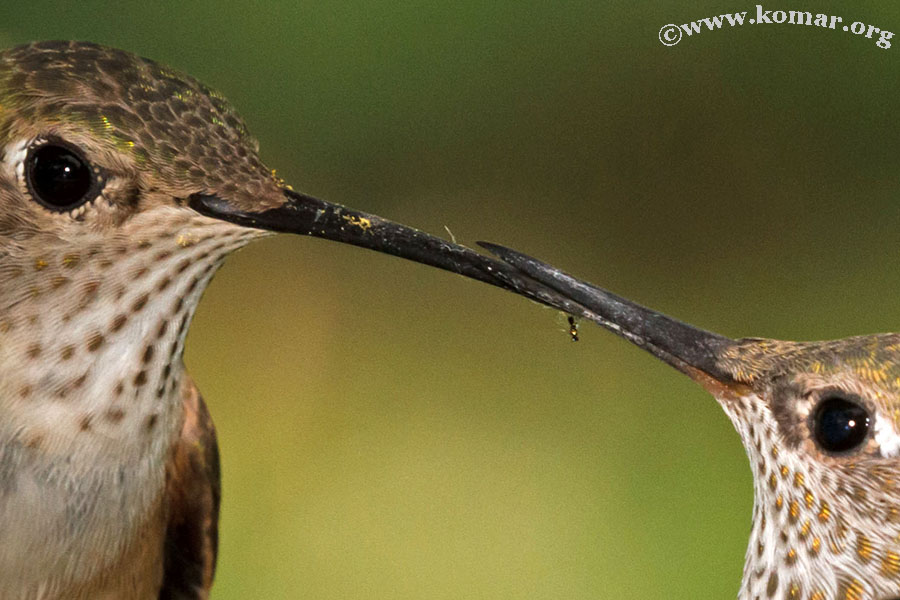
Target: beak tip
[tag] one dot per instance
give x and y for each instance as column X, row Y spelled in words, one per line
column 520, row 261
column 496, row 249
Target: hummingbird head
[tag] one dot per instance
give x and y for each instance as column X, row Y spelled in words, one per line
column 94, row 136
column 123, row 186
column 820, row 422
column 102, row 260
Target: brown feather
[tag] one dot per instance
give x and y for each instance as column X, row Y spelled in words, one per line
column 193, row 492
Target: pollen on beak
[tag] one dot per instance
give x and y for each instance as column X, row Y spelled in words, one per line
column 305, row 215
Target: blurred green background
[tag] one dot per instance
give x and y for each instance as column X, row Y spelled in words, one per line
column 392, row 431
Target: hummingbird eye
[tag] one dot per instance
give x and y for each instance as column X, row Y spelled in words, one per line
column 59, row 177
column 840, row 425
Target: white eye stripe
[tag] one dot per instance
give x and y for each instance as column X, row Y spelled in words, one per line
column 886, row 437
column 14, row 158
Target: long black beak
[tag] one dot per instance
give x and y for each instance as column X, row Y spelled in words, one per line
column 691, row 350
column 306, row 215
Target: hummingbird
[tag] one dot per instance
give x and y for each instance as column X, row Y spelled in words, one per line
column 820, row 422
column 124, row 184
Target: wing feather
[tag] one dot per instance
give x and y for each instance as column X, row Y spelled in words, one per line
column 193, row 491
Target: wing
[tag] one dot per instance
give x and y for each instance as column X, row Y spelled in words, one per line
column 193, row 492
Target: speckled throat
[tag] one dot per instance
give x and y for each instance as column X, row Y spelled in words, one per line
column 93, row 334
column 91, row 387
column 802, row 544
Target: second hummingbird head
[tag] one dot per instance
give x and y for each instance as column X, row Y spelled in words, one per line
column 834, row 401
column 820, row 423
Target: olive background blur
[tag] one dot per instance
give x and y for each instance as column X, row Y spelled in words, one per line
column 393, row 431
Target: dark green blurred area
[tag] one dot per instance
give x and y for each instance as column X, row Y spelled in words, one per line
column 390, row 431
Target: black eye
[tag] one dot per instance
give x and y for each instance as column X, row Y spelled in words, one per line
column 840, row 425
column 58, row 176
